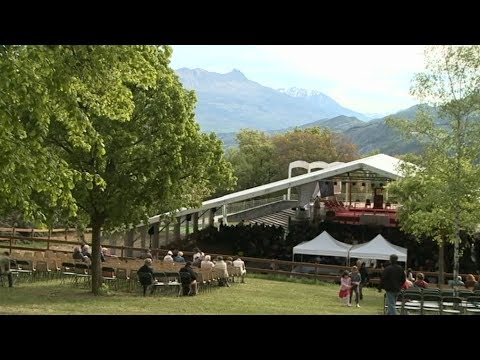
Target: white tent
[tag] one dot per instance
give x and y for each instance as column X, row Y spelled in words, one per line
column 378, row 248
column 323, row 244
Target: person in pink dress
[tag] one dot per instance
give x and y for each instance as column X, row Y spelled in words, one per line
column 345, row 286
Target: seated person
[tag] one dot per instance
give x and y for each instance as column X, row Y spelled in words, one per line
column 223, row 272
column 5, row 267
column 146, row 276
column 407, row 284
column 420, row 282
column 168, row 258
column 477, row 285
column 240, row 264
column 470, row 282
column 179, row 258
column 410, row 275
column 86, row 252
column 207, row 263
column 77, row 254
column 188, row 278
column 198, row 254
column 106, row 253
column 198, row 262
column 457, row 282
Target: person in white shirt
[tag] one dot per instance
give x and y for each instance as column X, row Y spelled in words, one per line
column 221, row 265
column 207, row 263
column 168, row 258
column 240, row 264
column 198, row 254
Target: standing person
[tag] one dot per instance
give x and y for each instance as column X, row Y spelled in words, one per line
column 365, row 278
column 345, row 286
column 393, row 277
column 356, row 279
column 5, row 267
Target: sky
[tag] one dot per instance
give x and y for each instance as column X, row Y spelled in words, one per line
column 365, row 78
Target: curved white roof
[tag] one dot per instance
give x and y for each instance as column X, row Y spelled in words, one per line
column 381, row 164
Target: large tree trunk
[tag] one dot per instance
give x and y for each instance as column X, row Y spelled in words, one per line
column 441, row 263
column 96, row 262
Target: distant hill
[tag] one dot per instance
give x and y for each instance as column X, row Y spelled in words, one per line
column 230, row 102
column 339, row 123
column 369, row 136
column 376, row 135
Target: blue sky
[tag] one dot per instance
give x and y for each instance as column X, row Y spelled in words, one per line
column 364, row 78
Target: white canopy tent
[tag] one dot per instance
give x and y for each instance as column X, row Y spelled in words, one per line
column 323, row 244
column 378, row 248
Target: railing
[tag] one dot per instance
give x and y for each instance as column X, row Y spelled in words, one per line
column 322, row 272
column 244, row 205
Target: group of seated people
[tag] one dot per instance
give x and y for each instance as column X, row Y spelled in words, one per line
column 188, row 277
column 205, row 262
column 470, row 283
column 84, row 253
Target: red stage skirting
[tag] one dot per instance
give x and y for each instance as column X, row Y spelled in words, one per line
column 352, row 216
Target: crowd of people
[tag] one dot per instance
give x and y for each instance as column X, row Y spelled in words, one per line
column 188, row 277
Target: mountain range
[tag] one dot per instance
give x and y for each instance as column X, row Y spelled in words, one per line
column 230, row 102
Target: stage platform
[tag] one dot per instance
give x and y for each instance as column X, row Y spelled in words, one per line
column 365, row 216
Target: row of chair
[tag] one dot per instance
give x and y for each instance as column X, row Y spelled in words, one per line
column 441, row 302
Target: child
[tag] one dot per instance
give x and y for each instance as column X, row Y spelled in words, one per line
column 355, row 279
column 345, row 285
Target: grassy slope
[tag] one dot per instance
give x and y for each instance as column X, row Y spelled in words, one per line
column 257, row 296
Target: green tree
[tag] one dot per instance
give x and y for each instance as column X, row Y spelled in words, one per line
column 139, row 150
column 311, row 144
column 261, row 158
column 253, row 160
column 44, row 86
column 439, row 195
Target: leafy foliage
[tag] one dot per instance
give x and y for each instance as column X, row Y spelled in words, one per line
column 440, row 196
column 261, row 158
column 104, row 134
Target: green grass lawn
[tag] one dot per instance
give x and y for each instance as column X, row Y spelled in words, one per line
column 257, row 296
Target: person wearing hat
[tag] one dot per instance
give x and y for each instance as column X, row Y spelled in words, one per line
column 168, row 258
